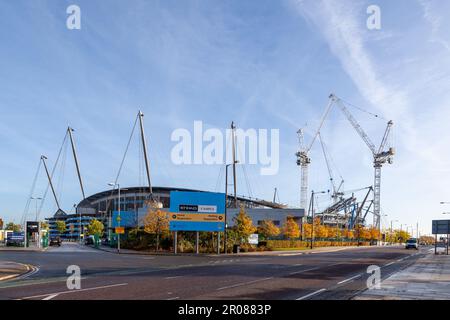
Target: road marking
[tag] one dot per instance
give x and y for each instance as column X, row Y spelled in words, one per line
column 174, row 298
column 244, row 283
column 50, row 297
column 400, row 260
column 297, row 265
column 349, row 279
column 306, row 270
column 389, row 264
column 311, row 294
column 79, row 290
column 173, row 277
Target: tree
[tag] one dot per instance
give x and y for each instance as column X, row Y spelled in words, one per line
column 61, row 226
column 268, row 229
column 374, row 233
column 95, row 228
column 12, row 226
column 156, row 222
column 290, row 228
column 243, row 225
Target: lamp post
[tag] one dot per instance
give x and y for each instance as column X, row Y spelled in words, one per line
column 37, row 199
column 118, row 212
column 312, row 214
column 226, row 196
column 392, row 231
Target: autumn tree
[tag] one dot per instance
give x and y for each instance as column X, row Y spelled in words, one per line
column 243, row 225
column 374, row 233
column 290, row 228
column 12, row 226
column 61, row 227
column 95, row 228
column 268, row 229
column 156, row 221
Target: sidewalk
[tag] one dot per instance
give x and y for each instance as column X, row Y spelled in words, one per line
column 9, row 270
column 427, row 279
column 33, row 249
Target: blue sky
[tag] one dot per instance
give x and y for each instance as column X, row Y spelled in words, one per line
column 263, row 64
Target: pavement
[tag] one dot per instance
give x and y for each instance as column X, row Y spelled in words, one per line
column 427, row 279
column 10, row 270
column 337, row 275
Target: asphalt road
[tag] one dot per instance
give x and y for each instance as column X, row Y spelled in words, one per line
column 331, row 275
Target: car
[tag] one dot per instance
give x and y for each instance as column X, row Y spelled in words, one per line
column 89, row 240
column 55, row 241
column 412, row 244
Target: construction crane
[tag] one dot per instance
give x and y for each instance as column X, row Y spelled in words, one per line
column 337, row 193
column 380, row 156
column 303, row 159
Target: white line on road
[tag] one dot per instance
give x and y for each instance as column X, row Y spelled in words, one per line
column 50, row 297
column 349, row 279
column 174, row 298
column 311, row 294
column 389, row 264
column 244, row 283
column 73, row 291
column 173, row 277
column 301, row 271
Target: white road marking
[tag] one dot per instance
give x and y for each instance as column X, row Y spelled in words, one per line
column 244, row 283
column 306, row 270
column 389, row 264
column 173, row 277
column 174, row 298
column 349, row 279
column 50, row 297
column 73, row 291
column 311, row 294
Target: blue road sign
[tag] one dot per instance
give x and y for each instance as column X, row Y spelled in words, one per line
column 127, row 219
column 197, row 211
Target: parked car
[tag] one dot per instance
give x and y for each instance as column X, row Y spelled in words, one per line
column 89, row 240
column 412, row 244
column 55, row 241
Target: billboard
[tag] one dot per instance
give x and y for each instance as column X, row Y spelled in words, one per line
column 32, row 226
column 441, row 226
column 127, row 219
column 197, row 211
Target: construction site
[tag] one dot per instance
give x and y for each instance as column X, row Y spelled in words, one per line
column 346, row 209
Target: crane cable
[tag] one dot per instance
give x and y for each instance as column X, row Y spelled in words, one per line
column 33, row 186
column 52, row 174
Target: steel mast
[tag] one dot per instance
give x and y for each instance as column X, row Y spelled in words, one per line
column 75, row 157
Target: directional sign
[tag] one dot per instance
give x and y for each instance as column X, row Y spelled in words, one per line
column 441, row 227
column 197, row 211
column 119, row 230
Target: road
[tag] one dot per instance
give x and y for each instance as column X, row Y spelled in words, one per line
column 290, row 276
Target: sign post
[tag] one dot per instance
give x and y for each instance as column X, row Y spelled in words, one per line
column 197, row 211
column 441, row 227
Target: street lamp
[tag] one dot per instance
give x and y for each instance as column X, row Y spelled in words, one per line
column 226, row 198
column 118, row 212
column 392, row 231
column 312, row 214
column 37, row 199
